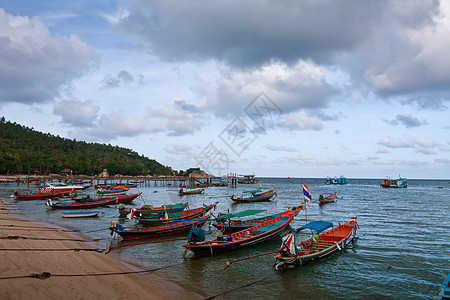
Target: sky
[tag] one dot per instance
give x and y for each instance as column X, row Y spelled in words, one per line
column 273, row 88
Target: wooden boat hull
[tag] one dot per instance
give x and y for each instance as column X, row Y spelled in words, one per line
column 80, row 214
column 113, row 192
column 242, row 238
column 262, row 198
column 92, row 204
column 154, row 211
column 187, row 215
column 326, row 201
column 189, row 191
column 326, row 243
column 37, row 196
column 119, row 199
column 162, row 230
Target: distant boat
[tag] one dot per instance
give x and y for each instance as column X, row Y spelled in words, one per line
column 259, row 195
column 247, row 179
column 336, row 180
column 394, row 183
column 327, row 198
column 190, row 191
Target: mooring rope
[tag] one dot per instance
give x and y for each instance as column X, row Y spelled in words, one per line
column 143, row 243
column 238, row 288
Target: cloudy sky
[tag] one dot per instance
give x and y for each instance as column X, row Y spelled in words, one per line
column 275, row 88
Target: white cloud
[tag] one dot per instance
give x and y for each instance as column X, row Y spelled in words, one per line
column 116, row 124
column 76, row 112
column 292, row 88
column 395, row 143
column 179, row 117
column 36, row 66
column 420, row 144
column 173, row 148
column 279, row 148
column 301, row 121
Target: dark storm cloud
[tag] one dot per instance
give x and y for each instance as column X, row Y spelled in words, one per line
column 406, row 120
column 111, row 81
column 392, row 48
column 251, row 32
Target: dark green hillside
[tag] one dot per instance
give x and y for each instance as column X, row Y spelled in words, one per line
column 24, row 150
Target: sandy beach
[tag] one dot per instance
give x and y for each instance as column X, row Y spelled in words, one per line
column 41, row 262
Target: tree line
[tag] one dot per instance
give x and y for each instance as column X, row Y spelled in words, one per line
column 24, row 150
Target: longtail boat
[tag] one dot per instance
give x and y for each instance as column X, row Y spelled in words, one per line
column 161, row 219
column 259, row 195
column 327, row 198
column 321, row 244
column 394, row 183
column 227, row 224
column 62, row 187
column 190, row 191
column 36, row 195
column 91, row 204
column 156, row 231
column 113, row 191
column 120, row 198
column 240, row 239
column 148, row 210
column 80, row 214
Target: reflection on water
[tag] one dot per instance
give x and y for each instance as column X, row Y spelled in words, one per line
column 402, row 252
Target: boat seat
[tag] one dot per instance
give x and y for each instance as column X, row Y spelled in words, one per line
column 235, row 222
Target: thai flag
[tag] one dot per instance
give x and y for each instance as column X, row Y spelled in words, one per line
column 131, row 214
column 306, row 192
column 289, row 244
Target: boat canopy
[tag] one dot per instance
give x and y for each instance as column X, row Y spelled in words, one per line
column 244, row 213
column 319, row 226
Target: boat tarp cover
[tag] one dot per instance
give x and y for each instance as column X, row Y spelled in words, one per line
column 174, row 215
column 319, row 226
column 244, row 213
column 196, row 235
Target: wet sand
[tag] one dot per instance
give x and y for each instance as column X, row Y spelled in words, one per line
column 41, row 262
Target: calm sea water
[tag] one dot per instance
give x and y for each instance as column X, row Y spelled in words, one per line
column 402, row 251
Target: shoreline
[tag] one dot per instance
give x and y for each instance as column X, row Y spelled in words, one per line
column 69, row 265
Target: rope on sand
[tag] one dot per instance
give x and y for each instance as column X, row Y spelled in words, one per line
column 16, row 237
column 45, row 275
column 55, row 249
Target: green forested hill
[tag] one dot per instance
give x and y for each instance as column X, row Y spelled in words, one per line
column 24, row 150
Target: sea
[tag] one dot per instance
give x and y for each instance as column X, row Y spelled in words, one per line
column 402, row 250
